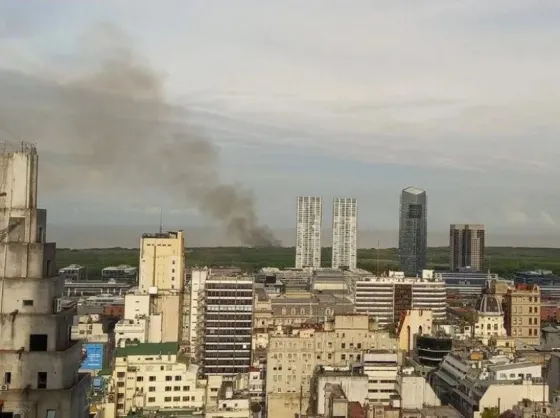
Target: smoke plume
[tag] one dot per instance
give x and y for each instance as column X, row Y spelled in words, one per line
column 119, row 132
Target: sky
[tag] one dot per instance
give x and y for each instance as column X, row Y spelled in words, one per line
column 459, row 98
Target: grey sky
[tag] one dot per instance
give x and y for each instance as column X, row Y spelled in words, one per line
column 317, row 97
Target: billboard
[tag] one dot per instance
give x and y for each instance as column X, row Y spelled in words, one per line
column 93, row 356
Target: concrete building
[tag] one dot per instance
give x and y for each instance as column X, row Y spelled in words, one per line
column 73, row 272
column 472, row 385
column 522, row 313
column 162, row 267
column 381, row 368
column 294, row 356
column 413, row 231
column 466, row 247
column 414, row 322
column 385, row 298
column 154, row 376
column 38, row 360
column 196, row 286
column 90, row 328
column 335, row 388
column 228, row 325
column 345, row 233
column 309, row 226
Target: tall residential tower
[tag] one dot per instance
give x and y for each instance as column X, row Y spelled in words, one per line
column 308, row 232
column 345, row 233
column 466, row 247
column 413, row 231
column 38, row 361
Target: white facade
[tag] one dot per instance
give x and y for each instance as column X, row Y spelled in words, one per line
column 196, row 316
column 38, row 360
column 345, row 233
column 386, row 297
column 354, row 387
column 151, row 376
column 309, row 225
column 381, row 368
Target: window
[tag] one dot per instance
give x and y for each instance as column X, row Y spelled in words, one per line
column 120, row 384
column 176, row 399
column 151, row 389
column 41, row 380
column 168, row 388
column 177, row 378
column 38, row 342
column 167, row 399
column 139, row 379
column 7, row 378
column 176, row 388
column 27, row 302
column 168, row 378
column 51, row 413
column 187, row 388
column 151, row 400
column 185, row 398
column 152, row 378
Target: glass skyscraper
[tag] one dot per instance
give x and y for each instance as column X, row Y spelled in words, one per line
column 413, row 231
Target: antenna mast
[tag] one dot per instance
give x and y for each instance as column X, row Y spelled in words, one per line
column 160, row 220
column 377, row 258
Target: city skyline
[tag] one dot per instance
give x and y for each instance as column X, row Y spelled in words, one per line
column 327, row 125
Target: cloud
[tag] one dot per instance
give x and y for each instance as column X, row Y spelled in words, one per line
column 548, row 219
column 467, row 89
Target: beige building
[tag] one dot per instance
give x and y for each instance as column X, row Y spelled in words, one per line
column 153, row 376
column 413, row 322
column 38, row 360
column 293, row 358
column 162, row 264
column 522, row 313
column 466, row 246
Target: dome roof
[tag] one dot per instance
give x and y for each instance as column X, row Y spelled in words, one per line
column 489, row 305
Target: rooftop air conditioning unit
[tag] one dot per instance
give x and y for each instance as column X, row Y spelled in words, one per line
column 4, row 387
column 20, row 414
column 153, row 290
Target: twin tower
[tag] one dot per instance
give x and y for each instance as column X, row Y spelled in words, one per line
column 309, row 223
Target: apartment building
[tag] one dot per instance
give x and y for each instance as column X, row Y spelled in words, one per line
column 522, row 307
column 344, row 233
column 162, row 264
column 292, row 358
column 228, row 324
column 309, row 224
column 196, row 285
column 466, row 247
column 386, row 298
column 154, row 375
column 381, row 368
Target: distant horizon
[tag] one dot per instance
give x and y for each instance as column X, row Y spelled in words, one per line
column 75, row 236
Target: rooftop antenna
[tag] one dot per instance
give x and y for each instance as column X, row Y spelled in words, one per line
column 160, row 220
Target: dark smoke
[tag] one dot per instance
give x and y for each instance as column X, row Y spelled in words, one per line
column 119, row 132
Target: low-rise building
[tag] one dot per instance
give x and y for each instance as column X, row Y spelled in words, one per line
column 73, row 272
column 156, row 376
column 294, row 356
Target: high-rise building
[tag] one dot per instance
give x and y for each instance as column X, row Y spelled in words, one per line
column 162, row 264
column 522, row 317
column 345, row 233
column 413, row 231
column 466, row 247
column 228, row 325
column 39, row 361
column 308, row 231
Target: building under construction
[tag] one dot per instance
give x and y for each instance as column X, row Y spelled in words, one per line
column 38, row 361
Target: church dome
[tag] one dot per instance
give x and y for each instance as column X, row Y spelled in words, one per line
column 489, row 305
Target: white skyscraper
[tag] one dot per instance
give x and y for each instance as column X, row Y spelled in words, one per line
column 345, row 232
column 308, row 233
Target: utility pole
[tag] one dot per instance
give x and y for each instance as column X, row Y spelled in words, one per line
column 300, row 399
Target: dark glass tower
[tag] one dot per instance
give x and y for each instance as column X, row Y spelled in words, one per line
column 413, row 232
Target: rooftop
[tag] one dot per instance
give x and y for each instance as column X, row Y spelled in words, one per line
column 413, row 190
column 146, row 349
